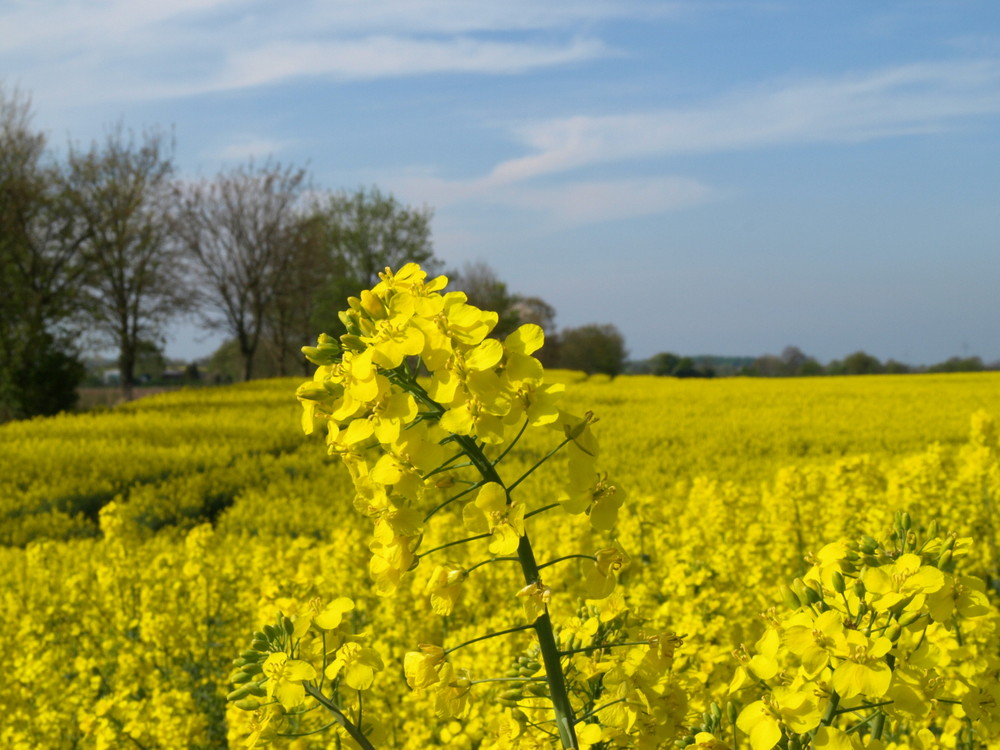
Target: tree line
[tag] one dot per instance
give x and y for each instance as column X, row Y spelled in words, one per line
column 107, row 245
column 793, row 362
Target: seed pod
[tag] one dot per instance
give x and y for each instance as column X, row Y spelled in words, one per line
column 839, row 584
column 257, row 689
column 241, row 692
column 238, row 677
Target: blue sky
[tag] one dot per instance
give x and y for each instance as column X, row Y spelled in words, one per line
column 711, row 177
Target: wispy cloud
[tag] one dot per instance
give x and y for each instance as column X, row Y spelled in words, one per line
column 910, row 99
column 383, row 56
column 904, row 100
column 124, row 49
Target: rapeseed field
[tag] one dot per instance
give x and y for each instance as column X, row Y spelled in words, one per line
column 481, row 559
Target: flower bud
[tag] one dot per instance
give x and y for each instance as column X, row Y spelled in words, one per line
column 908, row 618
column 812, row 595
column 732, row 712
column 944, row 558
column 790, row 598
column 893, row 632
column 905, row 522
column 248, row 704
column 868, row 545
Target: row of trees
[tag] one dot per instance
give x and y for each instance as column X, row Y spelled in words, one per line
column 793, row 362
column 106, row 246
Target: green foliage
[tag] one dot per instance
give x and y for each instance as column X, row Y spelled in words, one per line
column 593, row 348
column 361, row 234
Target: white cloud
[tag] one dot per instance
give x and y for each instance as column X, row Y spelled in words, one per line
column 81, row 51
column 897, row 101
column 382, row 56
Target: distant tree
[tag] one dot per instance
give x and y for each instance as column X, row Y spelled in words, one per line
column 858, row 363
column 893, row 367
column 766, row 366
column 40, row 269
column 486, row 291
column 362, row 233
column 120, row 190
column 664, row 363
column 593, row 348
column 241, row 231
column 959, row 364
column 290, row 322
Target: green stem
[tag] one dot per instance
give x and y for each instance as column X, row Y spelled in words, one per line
column 585, row 649
column 878, row 725
column 538, row 463
column 566, row 557
column 452, row 499
column 306, row 734
column 831, row 710
column 600, row 708
column 547, row 645
column 491, row 560
column 453, row 544
column 513, row 442
column 354, row 731
column 497, row 634
column 544, row 508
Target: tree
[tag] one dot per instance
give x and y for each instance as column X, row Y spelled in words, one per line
column 120, row 190
column 858, row 363
column 241, row 230
column 289, row 324
column 40, row 267
column 362, row 233
column 593, row 348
